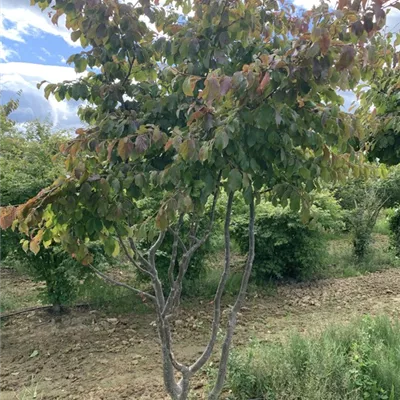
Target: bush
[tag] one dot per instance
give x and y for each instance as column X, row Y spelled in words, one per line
column 394, row 226
column 355, row 362
column 285, row 247
column 63, row 275
column 9, row 243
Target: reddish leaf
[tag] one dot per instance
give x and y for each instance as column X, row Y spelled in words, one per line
column 264, row 82
column 110, row 149
column 141, row 143
column 225, row 85
column 56, row 16
column 325, row 42
column 125, row 148
column 168, row 144
column 346, row 58
column 211, row 90
column 7, row 216
column 162, row 220
column 34, row 245
column 197, row 114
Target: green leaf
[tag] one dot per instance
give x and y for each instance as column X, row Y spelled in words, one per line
column 111, row 246
column 189, row 84
column 221, row 140
column 234, row 180
column 101, row 31
column 80, row 65
column 294, row 201
column 75, row 35
column 187, row 149
column 304, row 173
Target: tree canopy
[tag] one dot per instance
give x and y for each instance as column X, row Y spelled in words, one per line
column 179, row 95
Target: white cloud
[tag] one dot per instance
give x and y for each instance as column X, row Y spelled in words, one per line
column 27, row 21
column 308, row 4
column 6, row 53
column 17, row 76
column 45, row 51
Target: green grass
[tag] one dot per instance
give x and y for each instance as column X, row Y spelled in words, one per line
column 105, row 296
column 354, row 362
column 382, row 224
column 340, row 262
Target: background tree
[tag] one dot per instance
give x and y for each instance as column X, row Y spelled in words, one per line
column 380, row 114
column 209, row 96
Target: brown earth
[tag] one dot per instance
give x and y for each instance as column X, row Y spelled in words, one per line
column 87, row 354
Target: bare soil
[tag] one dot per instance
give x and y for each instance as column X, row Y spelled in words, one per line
column 87, row 354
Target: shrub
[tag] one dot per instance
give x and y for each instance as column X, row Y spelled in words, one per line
column 63, row 275
column 394, row 226
column 327, row 212
column 285, row 246
column 354, row 362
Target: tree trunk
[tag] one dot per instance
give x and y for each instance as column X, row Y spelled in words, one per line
column 217, row 389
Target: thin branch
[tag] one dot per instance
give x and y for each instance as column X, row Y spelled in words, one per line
column 129, row 71
column 117, row 283
column 199, row 363
column 139, row 254
column 185, row 260
column 131, row 259
column 153, row 249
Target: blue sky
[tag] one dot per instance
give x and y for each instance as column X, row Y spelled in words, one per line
column 33, row 49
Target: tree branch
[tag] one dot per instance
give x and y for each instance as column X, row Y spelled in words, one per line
column 131, row 259
column 185, row 260
column 218, row 295
column 117, row 283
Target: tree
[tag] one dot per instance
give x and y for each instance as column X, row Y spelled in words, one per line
column 380, row 114
column 364, row 199
column 189, row 100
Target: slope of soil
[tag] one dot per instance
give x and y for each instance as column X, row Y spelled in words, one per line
column 87, row 354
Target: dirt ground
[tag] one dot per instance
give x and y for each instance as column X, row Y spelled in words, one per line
column 87, row 354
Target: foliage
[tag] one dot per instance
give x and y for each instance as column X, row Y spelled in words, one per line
column 394, row 225
column 355, row 362
column 62, row 274
column 286, row 247
column 383, row 123
column 364, row 200
column 26, row 161
column 327, row 213
column 171, row 111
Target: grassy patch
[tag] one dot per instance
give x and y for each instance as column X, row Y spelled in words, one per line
column 340, row 261
column 355, row 362
column 103, row 295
